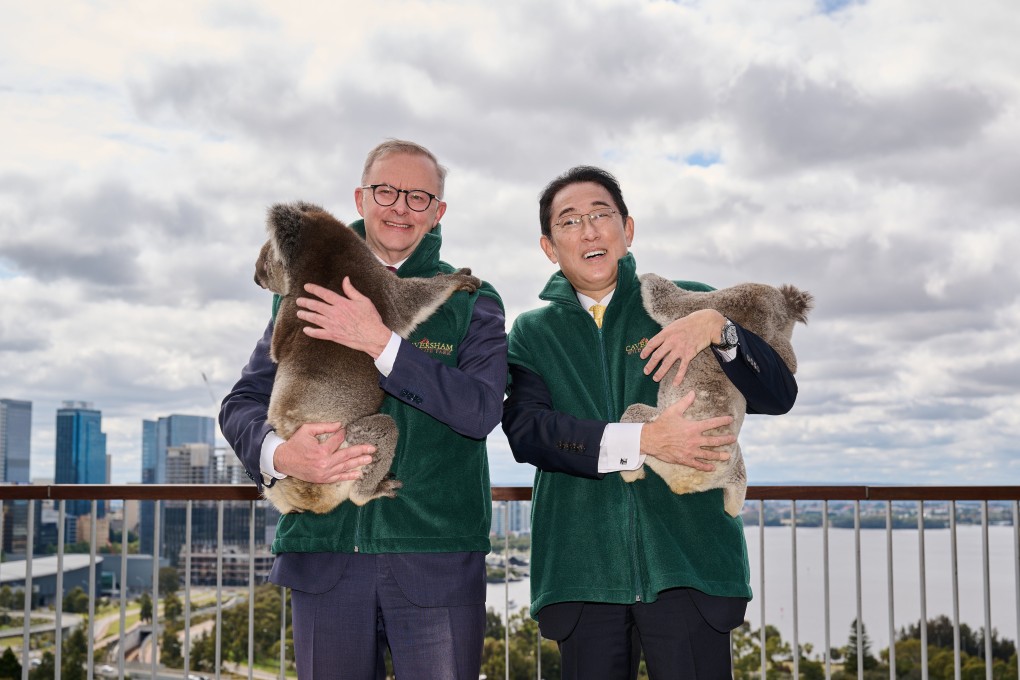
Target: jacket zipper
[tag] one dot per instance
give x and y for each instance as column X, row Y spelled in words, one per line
column 631, row 515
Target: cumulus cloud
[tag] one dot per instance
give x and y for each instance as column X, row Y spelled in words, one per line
column 858, row 150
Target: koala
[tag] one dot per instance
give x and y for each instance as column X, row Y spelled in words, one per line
column 323, row 381
column 766, row 311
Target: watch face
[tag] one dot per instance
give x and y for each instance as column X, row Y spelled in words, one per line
column 731, row 334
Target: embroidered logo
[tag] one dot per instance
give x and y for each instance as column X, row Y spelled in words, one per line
column 636, row 347
column 426, row 345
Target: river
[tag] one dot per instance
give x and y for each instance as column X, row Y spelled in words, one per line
column 778, row 596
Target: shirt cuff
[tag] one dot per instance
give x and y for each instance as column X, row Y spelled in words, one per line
column 269, row 446
column 620, row 448
column 389, row 356
column 726, row 355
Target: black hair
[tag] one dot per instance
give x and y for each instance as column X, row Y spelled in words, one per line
column 578, row 175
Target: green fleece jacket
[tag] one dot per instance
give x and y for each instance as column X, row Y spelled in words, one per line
column 445, row 504
column 608, row 540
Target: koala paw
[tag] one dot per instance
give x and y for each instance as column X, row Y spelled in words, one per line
column 388, row 487
column 465, row 281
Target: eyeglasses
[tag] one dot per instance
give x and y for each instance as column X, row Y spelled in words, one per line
column 574, row 221
column 417, row 200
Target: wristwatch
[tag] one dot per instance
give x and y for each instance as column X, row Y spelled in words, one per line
column 729, row 337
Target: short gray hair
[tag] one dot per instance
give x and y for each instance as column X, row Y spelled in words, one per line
column 392, row 146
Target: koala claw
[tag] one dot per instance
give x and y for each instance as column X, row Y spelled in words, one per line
column 465, row 281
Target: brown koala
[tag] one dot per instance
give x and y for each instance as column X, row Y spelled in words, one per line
column 766, row 311
column 323, row 381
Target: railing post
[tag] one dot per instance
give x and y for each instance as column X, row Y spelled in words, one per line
column 761, row 584
column 187, row 587
column 955, row 571
column 93, row 533
column 506, row 583
column 857, row 571
column 58, row 632
column 889, row 579
column 251, row 589
column 793, row 557
column 219, row 585
column 123, row 597
column 29, row 549
column 825, row 572
column 987, row 590
column 154, row 635
column 924, row 590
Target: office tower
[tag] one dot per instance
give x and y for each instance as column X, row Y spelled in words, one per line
column 81, row 451
column 158, row 436
column 15, row 440
column 194, row 465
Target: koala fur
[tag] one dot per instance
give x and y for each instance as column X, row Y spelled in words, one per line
column 323, row 381
column 764, row 310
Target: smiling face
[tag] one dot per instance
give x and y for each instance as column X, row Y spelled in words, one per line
column 393, row 232
column 588, row 256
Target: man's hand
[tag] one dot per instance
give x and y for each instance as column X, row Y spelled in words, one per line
column 680, row 342
column 349, row 319
column 674, row 439
column 303, row 456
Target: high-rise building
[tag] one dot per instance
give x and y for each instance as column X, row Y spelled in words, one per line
column 15, row 440
column 81, row 451
column 158, row 436
column 196, row 464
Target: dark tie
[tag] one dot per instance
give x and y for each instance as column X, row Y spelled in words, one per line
column 392, row 269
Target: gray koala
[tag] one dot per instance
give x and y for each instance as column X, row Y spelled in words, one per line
column 323, row 381
column 766, row 311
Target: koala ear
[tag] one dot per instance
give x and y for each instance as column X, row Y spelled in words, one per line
column 283, row 224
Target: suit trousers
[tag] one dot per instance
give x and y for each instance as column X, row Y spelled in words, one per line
column 342, row 632
column 684, row 634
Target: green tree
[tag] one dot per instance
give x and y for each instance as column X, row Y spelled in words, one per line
column 172, row 607
column 170, row 649
column 76, row 601
column 10, row 668
column 870, row 662
column 146, row 602
column 46, row 670
column 203, row 653
column 169, row 581
column 75, row 654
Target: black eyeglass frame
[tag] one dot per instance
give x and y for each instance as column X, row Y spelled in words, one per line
column 406, row 192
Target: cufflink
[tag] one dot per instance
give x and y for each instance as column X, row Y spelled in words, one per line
column 623, row 461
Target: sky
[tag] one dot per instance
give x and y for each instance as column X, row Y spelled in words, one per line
column 865, row 151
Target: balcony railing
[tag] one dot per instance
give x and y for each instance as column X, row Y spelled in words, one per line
column 769, row 509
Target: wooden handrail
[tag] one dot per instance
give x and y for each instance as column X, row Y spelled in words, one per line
column 246, row 492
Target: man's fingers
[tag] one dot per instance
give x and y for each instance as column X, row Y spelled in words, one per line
column 683, row 403
column 349, row 289
column 665, row 366
column 315, row 429
column 651, row 346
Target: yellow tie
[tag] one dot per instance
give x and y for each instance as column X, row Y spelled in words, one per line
column 598, row 311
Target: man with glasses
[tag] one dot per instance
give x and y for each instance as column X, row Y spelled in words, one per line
column 618, row 569
column 406, row 573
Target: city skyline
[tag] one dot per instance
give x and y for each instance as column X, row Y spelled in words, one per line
column 860, row 150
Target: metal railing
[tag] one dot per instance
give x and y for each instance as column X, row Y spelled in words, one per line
column 762, row 498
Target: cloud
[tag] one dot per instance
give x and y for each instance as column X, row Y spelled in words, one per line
column 861, row 151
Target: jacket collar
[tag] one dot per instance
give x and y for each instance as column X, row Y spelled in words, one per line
column 558, row 288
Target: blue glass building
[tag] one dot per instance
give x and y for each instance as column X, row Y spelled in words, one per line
column 81, row 451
